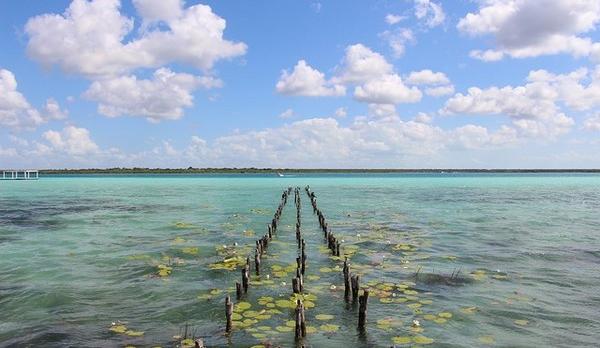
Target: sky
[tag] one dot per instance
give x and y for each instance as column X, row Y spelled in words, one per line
column 300, row 84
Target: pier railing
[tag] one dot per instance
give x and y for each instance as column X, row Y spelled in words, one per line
column 16, row 174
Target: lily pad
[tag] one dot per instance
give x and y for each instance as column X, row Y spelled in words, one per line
column 521, row 322
column 242, row 306
column 423, row 340
column 284, row 329
column 329, row 327
column 446, row 315
column 323, row 316
column 118, row 328
column 487, row 339
column 401, row 339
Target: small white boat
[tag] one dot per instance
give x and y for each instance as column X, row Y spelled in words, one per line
column 280, row 175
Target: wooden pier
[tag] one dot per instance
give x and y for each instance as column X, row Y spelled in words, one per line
column 16, row 174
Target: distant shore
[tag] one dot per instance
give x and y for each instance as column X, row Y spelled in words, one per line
column 292, row 170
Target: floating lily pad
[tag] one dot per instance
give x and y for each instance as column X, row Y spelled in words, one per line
column 323, row 316
column 242, row 306
column 446, row 315
column 311, row 329
column 521, row 322
column 290, row 323
column 329, row 327
column 401, row 339
column 118, row 328
column 190, row 250
column 134, row 333
column 423, row 340
column 487, row 339
column 468, row 310
column 440, row 320
column 284, row 329
column 429, row 317
column 236, row 316
column 187, row 343
column 325, row 270
column 285, row 304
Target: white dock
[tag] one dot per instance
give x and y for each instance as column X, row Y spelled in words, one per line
column 23, row 174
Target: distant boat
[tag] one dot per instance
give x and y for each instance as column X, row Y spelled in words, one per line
column 280, row 175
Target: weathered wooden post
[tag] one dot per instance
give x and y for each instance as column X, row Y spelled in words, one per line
column 257, row 261
column 355, row 280
column 238, row 290
column 362, row 309
column 245, row 281
column 347, row 287
column 300, row 331
column 228, row 314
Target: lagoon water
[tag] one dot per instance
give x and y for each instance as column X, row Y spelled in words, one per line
column 78, row 253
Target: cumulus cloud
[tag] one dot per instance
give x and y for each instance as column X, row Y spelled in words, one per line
column 592, row 123
column 90, row 38
column 159, row 10
column 15, row 110
column 530, row 28
column 439, row 91
column 71, row 140
column 532, row 107
column 361, row 64
column 427, row 77
column 340, row 112
column 392, row 19
column 397, row 39
column 161, row 98
column 53, row 111
column 305, row 80
column 289, row 113
column 431, row 13
column 370, row 74
column 373, row 140
column 387, row 90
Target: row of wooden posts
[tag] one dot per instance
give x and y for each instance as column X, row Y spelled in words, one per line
column 351, row 283
column 261, row 246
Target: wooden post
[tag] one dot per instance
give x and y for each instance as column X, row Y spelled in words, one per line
column 347, row 287
column 296, row 286
column 362, row 309
column 238, row 290
column 228, row 314
column 257, row 261
column 245, row 281
column 300, row 331
column 355, row 280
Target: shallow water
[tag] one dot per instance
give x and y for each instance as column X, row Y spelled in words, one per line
column 79, row 253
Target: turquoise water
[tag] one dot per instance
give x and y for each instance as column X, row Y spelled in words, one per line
column 80, row 253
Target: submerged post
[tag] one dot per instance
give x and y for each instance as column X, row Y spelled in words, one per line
column 362, row 309
column 228, row 314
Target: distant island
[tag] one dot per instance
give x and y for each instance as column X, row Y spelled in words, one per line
column 191, row 170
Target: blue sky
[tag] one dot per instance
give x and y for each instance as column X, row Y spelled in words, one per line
column 330, row 84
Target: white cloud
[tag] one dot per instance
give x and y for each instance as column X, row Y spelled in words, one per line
column 340, row 112
column 392, row 19
column 71, row 140
column 161, row 98
column 361, row 64
column 89, row 38
column 304, row 80
column 530, row 28
column 430, row 12
column 570, row 88
column 389, row 89
column 289, row 113
column 592, row 123
column 423, row 118
column 427, row 77
column 159, row 10
column 439, row 91
column 53, row 111
column 532, row 107
column 15, row 110
column 397, row 39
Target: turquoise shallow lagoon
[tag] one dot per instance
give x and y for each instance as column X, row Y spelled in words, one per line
column 78, row 253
